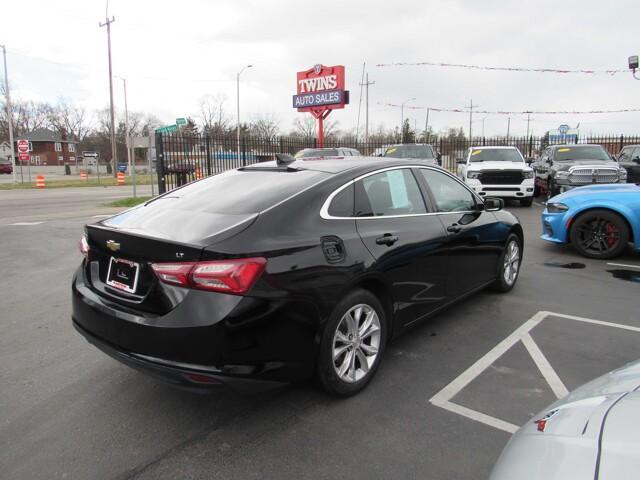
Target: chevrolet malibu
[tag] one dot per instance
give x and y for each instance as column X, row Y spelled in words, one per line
column 287, row 270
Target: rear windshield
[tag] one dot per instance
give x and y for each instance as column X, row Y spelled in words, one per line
column 410, row 151
column 586, row 152
column 4, row 160
column 312, row 152
column 495, row 155
column 240, row 192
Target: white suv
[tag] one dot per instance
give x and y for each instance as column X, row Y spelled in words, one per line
column 498, row 172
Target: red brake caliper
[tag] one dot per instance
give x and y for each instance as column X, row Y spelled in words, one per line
column 611, row 230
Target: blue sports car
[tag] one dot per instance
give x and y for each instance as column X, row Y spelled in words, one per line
column 599, row 220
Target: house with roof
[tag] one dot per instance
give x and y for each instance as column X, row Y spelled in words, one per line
column 48, row 147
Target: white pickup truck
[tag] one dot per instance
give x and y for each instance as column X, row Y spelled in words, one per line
column 497, row 172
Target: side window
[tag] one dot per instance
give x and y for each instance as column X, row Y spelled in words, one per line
column 342, row 203
column 393, row 192
column 450, row 195
column 635, row 154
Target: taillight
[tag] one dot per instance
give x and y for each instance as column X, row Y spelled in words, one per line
column 83, row 245
column 228, row 276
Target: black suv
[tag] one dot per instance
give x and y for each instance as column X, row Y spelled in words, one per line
column 629, row 159
column 563, row 167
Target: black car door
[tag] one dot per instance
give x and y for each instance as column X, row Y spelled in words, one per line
column 475, row 237
column 633, row 166
column 406, row 241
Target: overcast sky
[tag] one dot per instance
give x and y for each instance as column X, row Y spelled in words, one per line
column 174, row 52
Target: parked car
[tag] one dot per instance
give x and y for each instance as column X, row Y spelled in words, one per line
column 598, row 220
column 629, row 159
column 498, row 172
column 278, row 271
column 327, row 152
column 413, row 151
column 590, row 433
column 5, row 166
column 563, row 167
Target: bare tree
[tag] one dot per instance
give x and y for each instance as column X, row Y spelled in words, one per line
column 265, row 126
column 213, row 114
column 304, row 127
column 70, row 120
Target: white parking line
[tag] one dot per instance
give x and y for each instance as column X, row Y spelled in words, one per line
column 623, row 265
column 103, row 215
column 23, row 224
column 443, row 398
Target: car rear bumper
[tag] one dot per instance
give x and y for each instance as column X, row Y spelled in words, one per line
column 236, row 341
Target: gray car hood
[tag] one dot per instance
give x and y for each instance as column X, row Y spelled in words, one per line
column 607, row 408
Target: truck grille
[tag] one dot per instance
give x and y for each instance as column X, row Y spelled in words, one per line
column 588, row 175
column 501, row 177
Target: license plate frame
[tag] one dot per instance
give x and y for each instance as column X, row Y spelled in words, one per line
column 114, row 283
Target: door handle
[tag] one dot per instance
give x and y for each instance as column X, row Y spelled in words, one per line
column 387, row 239
column 454, row 228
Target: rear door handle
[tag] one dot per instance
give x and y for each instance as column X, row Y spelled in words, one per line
column 387, row 239
column 455, row 228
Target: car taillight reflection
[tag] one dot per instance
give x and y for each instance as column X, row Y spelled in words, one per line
column 83, row 245
column 227, row 276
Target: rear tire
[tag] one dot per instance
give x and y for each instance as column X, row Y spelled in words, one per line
column 352, row 344
column 526, row 202
column 599, row 234
column 508, row 265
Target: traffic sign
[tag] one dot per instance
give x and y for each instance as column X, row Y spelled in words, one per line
column 23, row 146
column 181, row 121
column 167, row 129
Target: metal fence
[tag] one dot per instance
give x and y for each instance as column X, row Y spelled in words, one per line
column 184, row 157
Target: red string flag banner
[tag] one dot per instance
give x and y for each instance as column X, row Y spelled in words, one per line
column 502, row 69
column 503, row 112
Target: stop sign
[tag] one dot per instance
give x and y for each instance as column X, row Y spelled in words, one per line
column 23, row 146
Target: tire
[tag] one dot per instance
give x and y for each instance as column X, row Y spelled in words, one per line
column 508, row 263
column 599, row 234
column 364, row 350
column 552, row 190
column 526, row 202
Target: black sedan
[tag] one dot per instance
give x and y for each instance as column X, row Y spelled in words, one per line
column 286, row 270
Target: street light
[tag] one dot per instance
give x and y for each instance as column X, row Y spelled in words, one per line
column 127, row 139
column 9, row 114
column 238, row 98
column 402, row 118
column 633, row 65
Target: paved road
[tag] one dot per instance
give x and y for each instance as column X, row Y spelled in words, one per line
column 68, row 411
column 56, row 203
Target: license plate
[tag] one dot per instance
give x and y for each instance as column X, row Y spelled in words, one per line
column 123, row 274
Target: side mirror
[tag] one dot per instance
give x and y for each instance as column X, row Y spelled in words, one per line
column 438, row 156
column 460, row 160
column 529, row 160
column 636, row 159
column 492, row 204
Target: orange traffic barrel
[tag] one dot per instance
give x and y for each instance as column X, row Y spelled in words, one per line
column 120, row 178
column 40, row 181
column 83, row 174
column 198, row 173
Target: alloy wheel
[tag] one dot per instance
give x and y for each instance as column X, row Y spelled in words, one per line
column 356, row 343
column 598, row 236
column 511, row 263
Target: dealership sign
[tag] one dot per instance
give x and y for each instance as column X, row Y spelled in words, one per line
column 321, row 88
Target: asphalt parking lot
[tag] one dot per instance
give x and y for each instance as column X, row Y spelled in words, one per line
column 441, row 406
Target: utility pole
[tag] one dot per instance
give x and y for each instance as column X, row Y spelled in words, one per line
column 114, row 152
column 9, row 113
column 366, row 121
column 528, row 120
column 508, row 127
column 128, row 136
column 426, row 128
column 470, row 121
column 238, row 105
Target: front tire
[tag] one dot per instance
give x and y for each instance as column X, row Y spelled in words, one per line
column 526, row 202
column 352, row 344
column 599, row 234
column 552, row 190
column 508, row 265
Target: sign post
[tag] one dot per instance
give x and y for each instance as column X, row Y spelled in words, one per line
column 23, row 155
column 320, row 90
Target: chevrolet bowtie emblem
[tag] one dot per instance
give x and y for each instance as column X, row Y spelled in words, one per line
column 113, row 245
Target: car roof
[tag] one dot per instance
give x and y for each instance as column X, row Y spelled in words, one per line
column 493, row 147
column 407, row 145
column 334, row 165
column 574, row 145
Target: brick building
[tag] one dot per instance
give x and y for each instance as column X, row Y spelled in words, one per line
column 47, row 147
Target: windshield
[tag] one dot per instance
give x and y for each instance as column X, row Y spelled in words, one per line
column 5, row 161
column 410, row 151
column 317, row 152
column 586, row 152
column 496, row 155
